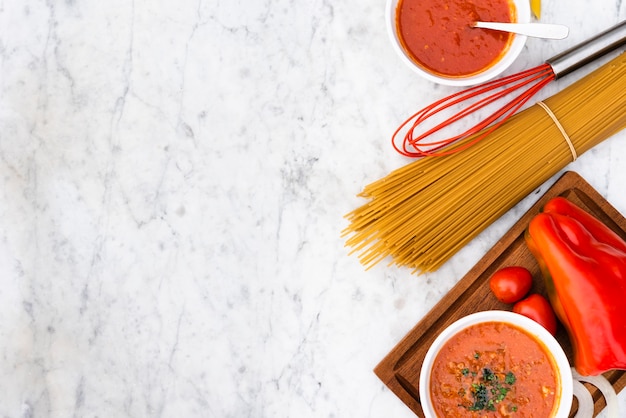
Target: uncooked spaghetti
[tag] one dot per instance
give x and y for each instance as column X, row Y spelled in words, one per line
column 421, row 214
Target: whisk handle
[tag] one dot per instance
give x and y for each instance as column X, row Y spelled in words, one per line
column 585, row 52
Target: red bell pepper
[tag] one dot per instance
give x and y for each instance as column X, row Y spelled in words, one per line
column 584, row 264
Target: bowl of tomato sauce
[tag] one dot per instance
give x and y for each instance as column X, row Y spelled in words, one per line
column 496, row 364
column 436, row 39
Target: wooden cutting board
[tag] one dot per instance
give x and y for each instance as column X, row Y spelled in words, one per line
column 400, row 369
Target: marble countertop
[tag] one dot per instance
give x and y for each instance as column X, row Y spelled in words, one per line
column 173, row 181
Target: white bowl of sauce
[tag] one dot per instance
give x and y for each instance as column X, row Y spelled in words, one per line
column 496, row 364
column 437, row 41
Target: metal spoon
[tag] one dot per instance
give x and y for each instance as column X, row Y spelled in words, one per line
column 536, row 30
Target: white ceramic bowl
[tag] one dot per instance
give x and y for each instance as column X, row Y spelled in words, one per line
column 530, row 326
column 517, row 45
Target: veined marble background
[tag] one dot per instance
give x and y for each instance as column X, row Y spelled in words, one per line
column 173, row 181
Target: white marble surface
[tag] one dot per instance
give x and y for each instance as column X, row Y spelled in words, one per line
column 173, row 180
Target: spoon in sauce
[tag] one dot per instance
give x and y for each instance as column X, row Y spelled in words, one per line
column 535, row 30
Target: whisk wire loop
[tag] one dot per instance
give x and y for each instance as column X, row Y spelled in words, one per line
column 413, row 145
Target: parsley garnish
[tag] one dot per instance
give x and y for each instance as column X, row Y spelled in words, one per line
column 489, row 376
column 509, row 379
column 481, row 398
column 490, row 391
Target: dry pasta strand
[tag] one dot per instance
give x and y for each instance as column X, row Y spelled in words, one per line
column 421, row 214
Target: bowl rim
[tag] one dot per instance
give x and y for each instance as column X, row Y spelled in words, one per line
column 514, row 50
column 530, row 326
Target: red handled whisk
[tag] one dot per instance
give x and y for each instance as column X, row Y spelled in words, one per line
column 414, row 144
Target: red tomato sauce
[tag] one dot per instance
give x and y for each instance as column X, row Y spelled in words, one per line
column 438, row 36
column 494, row 369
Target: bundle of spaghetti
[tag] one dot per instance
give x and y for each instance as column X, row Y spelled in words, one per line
column 421, row 214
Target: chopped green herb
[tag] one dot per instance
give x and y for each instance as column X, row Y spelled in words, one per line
column 481, row 398
column 477, row 355
column 510, row 378
column 501, row 393
column 490, row 391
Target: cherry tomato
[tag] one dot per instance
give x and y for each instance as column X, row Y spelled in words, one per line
column 511, row 284
column 537, row 308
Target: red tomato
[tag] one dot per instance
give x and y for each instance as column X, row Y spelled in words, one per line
column 537, row 308
column 511, row 284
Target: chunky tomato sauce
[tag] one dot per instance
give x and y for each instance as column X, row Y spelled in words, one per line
column 438, row 36
column 494, row 369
